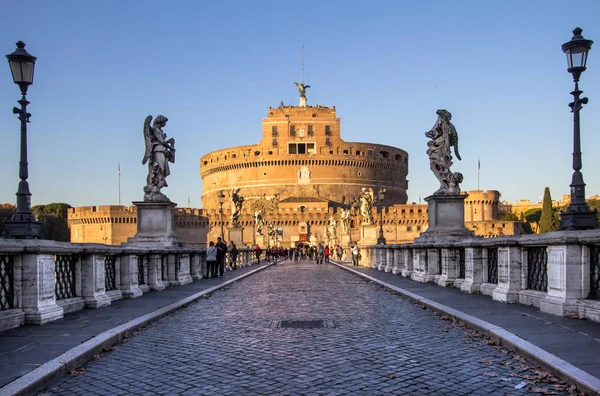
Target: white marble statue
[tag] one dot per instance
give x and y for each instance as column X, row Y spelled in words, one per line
column 367, row 197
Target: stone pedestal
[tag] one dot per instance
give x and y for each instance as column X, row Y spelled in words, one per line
column 93, row 280
column 236, row 234
column 155, row 225
column 368, row 235
column 345, row 240
column 39, row 302
column 261, row 240
column 446, row 218
column 129, row 276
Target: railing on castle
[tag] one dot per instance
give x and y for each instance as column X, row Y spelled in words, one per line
column 47, row 279
column 558, row 272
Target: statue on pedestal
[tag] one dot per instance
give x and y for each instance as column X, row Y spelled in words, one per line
column 302, row 89
column 332, row 227
column 345, row 220
column 367, row 197
column 236, row 206
column 443, row 137
column 259, row 221
column 159, row 152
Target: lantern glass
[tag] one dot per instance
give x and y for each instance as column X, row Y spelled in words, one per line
column 577, row 57
column 22, row 72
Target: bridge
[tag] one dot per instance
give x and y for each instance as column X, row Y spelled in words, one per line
column 414, row 318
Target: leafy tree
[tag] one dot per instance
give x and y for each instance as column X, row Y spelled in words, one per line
column 6, row 211
column 595, row 204
column 508, row 217
column 549, row 218
column 54, row 221
column 533, row 215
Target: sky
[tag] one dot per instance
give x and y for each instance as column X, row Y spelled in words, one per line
column 214, row 67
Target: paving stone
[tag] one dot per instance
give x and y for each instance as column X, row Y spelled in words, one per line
column 382, row 344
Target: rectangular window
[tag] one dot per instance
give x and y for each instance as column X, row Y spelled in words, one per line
column 370, row 153
column 274, row 143
column 357, row 152
column 328, row 141
column 408, row 229
column 302, row 148
column 274, row 130
column 310, row 130
column 327, row 130
column 292, row 130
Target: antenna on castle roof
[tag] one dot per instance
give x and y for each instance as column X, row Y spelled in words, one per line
column 301, row 86
column 302, row 61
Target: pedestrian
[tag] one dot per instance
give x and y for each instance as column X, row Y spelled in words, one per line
column 339, row 251
column 326, row 253
column 211, row 260
column 355, row 255
column 320, row 254
column 221, row 252
column 257, row 252
column 233, row 255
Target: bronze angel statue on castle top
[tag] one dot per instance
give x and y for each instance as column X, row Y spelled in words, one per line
column 159, row 152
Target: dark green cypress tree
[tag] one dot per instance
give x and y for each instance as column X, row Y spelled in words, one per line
column 549, row 218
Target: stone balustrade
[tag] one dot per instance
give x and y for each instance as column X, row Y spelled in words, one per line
column 558, row 272
column 40, row 280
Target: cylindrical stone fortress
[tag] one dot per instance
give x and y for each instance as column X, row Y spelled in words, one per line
column 303, row 155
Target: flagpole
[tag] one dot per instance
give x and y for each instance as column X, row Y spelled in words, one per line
column 119, row 174
column 478, row 172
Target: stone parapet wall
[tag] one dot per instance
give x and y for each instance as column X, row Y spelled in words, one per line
column 557, row 272
column 48, row 279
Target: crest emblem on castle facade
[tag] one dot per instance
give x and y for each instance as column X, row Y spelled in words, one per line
column 304, row 175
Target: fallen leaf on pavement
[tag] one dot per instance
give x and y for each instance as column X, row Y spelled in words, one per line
column 77, row 371
column 538, row 390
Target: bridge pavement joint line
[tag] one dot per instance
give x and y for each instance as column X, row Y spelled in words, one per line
column 558, row 367
column 76, row 357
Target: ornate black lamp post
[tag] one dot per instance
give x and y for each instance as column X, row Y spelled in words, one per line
column 578, row 215
column 381, row 196
column 221, row 199
column 22, row 224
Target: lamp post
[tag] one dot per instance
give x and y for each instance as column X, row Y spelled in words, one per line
column 22, row 223
column 578, row 215
column 381, row 196
column 221, row 199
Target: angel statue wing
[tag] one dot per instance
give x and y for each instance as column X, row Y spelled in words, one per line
column 453, row 139
column 147, row 139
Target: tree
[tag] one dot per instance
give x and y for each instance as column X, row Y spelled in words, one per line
column 54, row 221
column 594, row 204
column 549, row 219
column 508, row 217
column 533, row 215
column 6, row 211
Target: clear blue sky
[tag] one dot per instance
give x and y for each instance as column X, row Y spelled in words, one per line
column 214, row 67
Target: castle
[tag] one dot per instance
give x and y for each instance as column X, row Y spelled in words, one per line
column 300, row 176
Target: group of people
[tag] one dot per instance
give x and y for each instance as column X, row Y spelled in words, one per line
column 216, row 255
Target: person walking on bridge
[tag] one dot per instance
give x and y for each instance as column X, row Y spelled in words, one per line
column 355, row 254
column 221, row 252
column 211, row 260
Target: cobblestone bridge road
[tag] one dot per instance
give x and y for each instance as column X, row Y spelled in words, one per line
column 230, row 343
